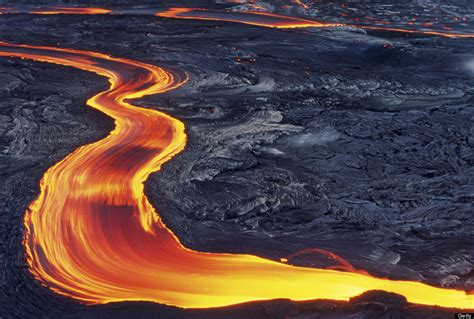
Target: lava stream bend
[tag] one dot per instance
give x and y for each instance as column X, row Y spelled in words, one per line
column 92, row 234
column 256, row 18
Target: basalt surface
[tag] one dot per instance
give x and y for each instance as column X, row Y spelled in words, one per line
column 353, row 142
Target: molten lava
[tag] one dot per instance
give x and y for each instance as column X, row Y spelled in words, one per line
column 93, row 235
column 257, row 18
column 70, row 10
column 262, row 19
column 271, row 20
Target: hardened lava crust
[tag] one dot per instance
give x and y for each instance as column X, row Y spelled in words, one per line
column 354, row 141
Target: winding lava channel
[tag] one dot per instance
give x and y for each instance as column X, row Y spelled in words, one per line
column 92, row 234
column 271, row 20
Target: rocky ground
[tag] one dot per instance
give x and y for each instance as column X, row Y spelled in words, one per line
column 361, row 144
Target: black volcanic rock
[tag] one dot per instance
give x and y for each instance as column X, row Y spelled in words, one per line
column 42, row 119
column 375, row 296
column 358, row 143
column 372, row 305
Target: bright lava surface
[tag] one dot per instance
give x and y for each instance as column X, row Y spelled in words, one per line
column 261, row 19
column 65, row 10
column 271, row 20
column 93, row 235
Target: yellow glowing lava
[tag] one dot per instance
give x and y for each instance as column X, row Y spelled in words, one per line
column 261, row 19
column 92, row 234
column 271, row 20
column 71, row 10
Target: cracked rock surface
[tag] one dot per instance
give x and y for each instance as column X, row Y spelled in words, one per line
column 353, row 142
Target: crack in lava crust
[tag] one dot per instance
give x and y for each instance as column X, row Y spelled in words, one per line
column 92, row 234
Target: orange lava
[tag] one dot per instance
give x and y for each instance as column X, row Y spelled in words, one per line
column 92, row 234
column 256, row 18
column 71, row 10
column 271, row 20
column 301, row 4
column 262, row 19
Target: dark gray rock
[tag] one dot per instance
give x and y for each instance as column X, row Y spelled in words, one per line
column 361, row 144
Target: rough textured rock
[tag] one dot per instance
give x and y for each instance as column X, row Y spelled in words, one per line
column 361, row 144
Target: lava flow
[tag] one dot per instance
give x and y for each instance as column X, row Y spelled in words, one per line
column 93, row 235
column 256, row 18
column 261, row 19
column 70, row 10
column 271, row 20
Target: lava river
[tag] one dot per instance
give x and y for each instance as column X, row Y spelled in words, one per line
column 92, row 234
